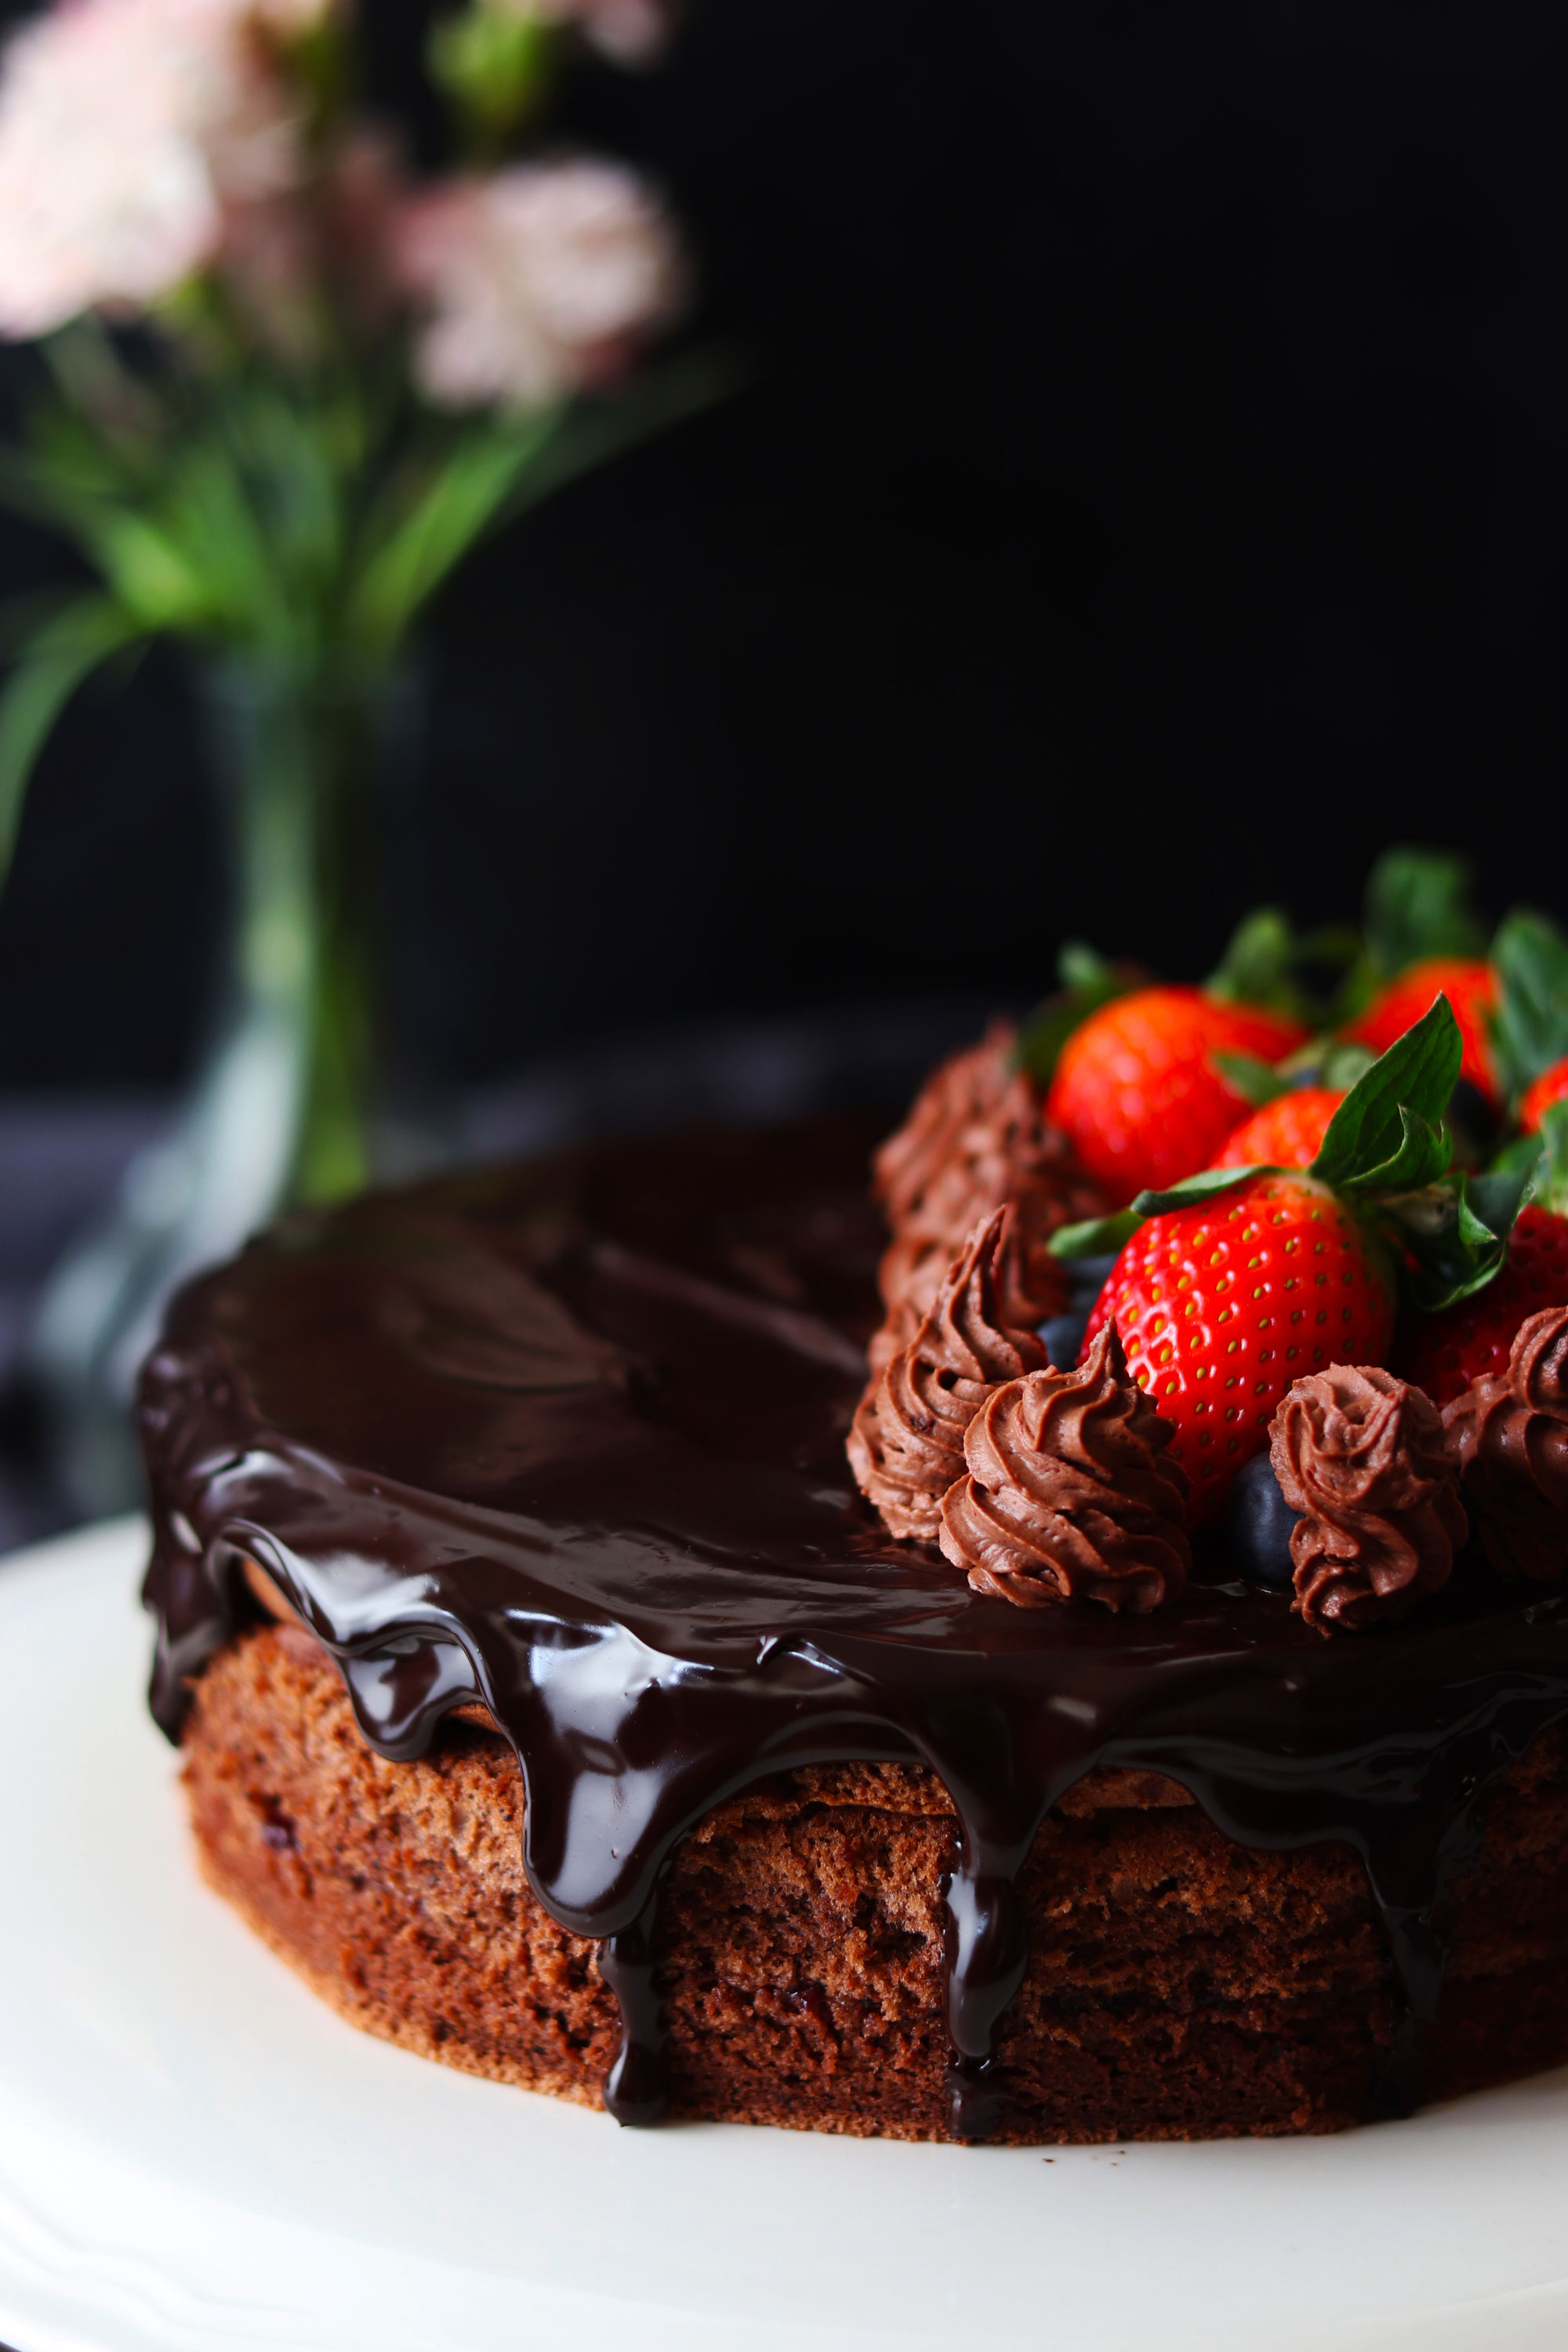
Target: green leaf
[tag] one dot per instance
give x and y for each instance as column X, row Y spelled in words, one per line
column 1255, row 968
column 1417, row 1074
column 60, row 653
column 1452, row 1238
column 1256, row 1081
column 1096, row 1236
column 1089, row 981
column 1546, row 1170
column 1201, row 1187
column 1083, row 968
column 495, row 66
column 1530, row 1033
column 1418, row 904
column 1344, row 1062
column 1424, row 1154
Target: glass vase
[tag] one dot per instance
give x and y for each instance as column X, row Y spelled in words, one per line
column 310, row 1086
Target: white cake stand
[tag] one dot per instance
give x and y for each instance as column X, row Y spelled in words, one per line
column 195, row 2154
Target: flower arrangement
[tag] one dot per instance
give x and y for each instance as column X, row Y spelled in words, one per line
column 288, row 382
column 336, row 378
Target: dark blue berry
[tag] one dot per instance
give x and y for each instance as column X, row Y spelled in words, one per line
column 1086, row 1278
column 1257, row 1525
column 1061, row 1338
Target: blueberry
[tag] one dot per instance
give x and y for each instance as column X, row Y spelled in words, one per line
column 1061, row 1338
column 1257, row 1524
column 1086, row 1278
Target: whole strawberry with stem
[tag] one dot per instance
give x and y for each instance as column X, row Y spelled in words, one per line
column 1231, row 1285
column 1443, row 1353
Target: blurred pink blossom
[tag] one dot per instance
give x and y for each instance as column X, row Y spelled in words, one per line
column 536, row 282
column 126, row 126
column 632, row 32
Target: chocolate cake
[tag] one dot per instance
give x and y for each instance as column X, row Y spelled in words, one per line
column 556, row 1702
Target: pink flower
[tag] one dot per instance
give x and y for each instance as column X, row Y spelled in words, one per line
column 632, row 32
column 536, row 282
column 126, row 126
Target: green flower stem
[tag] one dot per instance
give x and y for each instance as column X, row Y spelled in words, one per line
column 303, row 751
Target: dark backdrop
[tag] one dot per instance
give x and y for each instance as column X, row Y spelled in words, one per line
column 1150, row 497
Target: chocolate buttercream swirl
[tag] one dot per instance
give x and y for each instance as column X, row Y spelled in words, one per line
column 1031, row 1285
column 906, row 1443
column 959, row 1092
column 1070, row 1492
column 975, row 1138
column 1362, row 1457
column 1508, row 1434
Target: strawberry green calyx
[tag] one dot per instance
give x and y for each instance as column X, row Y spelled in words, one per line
column 1089, row 980
column 1529, row 1028
column 1256, row 966
column 1542, row 1161
column 1388, row 1156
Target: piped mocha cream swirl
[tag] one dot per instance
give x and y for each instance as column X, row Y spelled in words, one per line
column 1070, row 1494
column 906, row 1443
column 959, row 1093
column 1362, row 1457
column 975, row 1138
column 1508, row 1434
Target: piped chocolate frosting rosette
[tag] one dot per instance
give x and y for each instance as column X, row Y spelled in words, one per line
column 975, row 1139
column 906, row 1443
column 1508, row 1434
column 1362, row 1457
column 1070, row 1492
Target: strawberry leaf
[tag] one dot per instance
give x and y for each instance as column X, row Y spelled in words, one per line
column 1545, row 1164
column 1530, row 1031
column 1255, row 968
column 1345, row 1060
column 1452, row 1237
column 1098, row 1234
column 1418, row 905
column 1088, row 981
column 1423, row 1155
column 1254, row 1080
column 1417, row 1076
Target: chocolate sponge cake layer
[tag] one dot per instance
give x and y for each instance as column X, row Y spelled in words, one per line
column 1179, row 1985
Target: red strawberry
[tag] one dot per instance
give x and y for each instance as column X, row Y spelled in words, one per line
column 1286, row 1133
column 1443, row 1353
column 1222, row 1305
column 1138, row 1092
column 1550, row 1086
column 1471, row 987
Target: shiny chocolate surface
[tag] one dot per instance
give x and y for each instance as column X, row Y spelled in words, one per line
column 568, row 1439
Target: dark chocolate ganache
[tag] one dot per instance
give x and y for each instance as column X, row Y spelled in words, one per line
column 567, row 1440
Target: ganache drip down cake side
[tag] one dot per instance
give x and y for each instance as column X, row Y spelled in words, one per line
column 553, row 1697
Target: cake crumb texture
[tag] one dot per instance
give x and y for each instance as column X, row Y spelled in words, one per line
column 1179, row 1987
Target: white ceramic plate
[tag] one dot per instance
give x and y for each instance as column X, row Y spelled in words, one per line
column 195, row 2153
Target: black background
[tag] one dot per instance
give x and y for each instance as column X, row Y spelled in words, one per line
column 1150, row 498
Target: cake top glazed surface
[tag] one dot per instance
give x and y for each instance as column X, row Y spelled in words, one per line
column 567, row 1440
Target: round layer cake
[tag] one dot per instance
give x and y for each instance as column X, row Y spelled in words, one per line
column 554, row 1702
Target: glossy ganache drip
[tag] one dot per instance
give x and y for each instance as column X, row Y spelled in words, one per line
column 1068, row 1493
column 1509, row 1432
column 567, row 1441
column 1362, row 1457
